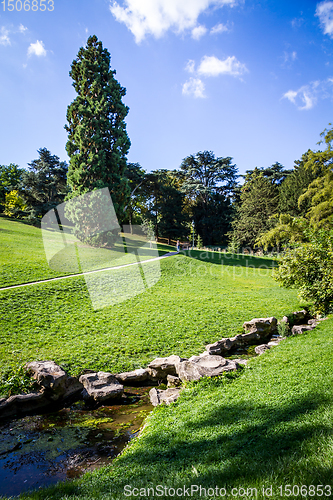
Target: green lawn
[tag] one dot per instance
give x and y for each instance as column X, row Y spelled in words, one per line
column 195, row 302
column 270, row 426
column 23, row 259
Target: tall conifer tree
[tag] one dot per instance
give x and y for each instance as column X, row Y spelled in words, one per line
column 97, row 139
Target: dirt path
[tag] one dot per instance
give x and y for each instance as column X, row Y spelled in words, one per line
column 88, row 272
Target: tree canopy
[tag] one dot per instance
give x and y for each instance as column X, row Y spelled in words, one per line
column 209, row 183
column 97, row 139
column 10, row 178
column 44, row 185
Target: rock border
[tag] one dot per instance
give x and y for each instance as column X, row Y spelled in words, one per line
column 55, row 386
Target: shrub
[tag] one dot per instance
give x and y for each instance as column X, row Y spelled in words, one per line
column 309, row 267
column 14, row 204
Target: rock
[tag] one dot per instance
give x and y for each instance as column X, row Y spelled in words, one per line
column 158, row 396
column 314, row 322
column 160, row 368
column 173, row 381
column 133, row 377
column 273, row 343
column 221, row 346
column 264, row 327
column 298, row 329
column 300, row 317
column 204, row 366
column 247, row 338
column 53, row 380
column 72, row 387
column 285, row 320
column 21, row 404
column 100, row 386
column 260, row 349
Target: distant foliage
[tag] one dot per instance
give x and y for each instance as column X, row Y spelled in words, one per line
column 209, row 184
column 286, row 230
column 10, row 178
column 258, row 203
column 165, row 204
column 199, row 242
column 14, row 204
column 44, row 185
column 294, row 186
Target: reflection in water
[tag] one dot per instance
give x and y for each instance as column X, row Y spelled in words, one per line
column 41, row 450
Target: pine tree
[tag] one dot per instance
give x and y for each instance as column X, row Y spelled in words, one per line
column 258, row 202
column 97, row 139
column 44, row 185
column 294, row 186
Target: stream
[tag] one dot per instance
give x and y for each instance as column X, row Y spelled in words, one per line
column 40, row 450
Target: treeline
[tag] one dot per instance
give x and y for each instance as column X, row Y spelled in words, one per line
column 272, row 208
column 201, row 191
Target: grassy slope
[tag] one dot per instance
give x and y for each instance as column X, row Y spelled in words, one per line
column 22, row 255
column 270, row 426
column 194, row 303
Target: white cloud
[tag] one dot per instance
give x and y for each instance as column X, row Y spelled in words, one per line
column 4, row 38
column 37, row 49
column 297, row 22
column 306, row 97
column 194, row 87
column 22, row 28
column 219, row 28
column 290, row 56
column 212, row 66
column 198, row 32
column 325, row 13
column 156, row 17
column 190, row 66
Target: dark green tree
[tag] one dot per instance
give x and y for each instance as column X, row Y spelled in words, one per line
column 10, row 178
column 97, row 139
column 294, row 186
column 165, row 203
column 136, row 204
column 258, row 203
column 276, row 173
column 44, row 185
column 209, row 184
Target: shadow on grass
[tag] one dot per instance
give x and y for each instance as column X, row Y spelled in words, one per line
column 229, row 259
column 231, row 445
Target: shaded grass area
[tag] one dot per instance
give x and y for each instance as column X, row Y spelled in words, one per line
column 194, row 303
column 232, row 259
column 270, row 426
column 23, row 260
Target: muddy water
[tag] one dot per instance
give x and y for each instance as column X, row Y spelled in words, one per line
column 41, row 450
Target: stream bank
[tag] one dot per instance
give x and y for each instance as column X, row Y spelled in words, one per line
column 40, row 450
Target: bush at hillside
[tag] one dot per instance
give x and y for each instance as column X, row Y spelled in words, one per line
column 309, row 267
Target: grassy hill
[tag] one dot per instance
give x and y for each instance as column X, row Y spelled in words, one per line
column 271, row 426
column 196, row 301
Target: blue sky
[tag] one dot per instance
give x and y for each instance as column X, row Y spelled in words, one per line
column 244, row 78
